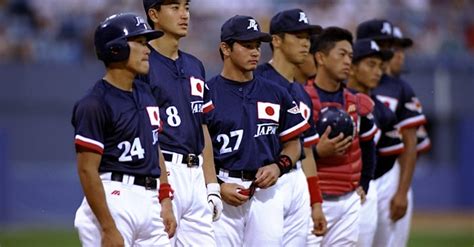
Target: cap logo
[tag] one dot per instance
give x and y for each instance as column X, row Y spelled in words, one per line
column 386, row 28
column 253, row 25
column 397, row 33
column 303, row 18
column 139, row 21
column 374, row 46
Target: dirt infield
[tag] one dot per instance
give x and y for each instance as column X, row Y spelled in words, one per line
column 443, row 221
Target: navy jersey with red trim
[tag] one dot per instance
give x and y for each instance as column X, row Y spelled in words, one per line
column 400, row 98
column 423, row 140
column 388, row 139
column 310, row 136
column 179, row 88
column 122, row 126
column 250, row 122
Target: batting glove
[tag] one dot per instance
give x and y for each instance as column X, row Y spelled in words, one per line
column 214, row 200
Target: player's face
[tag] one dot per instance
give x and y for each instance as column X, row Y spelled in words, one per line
column 368, row 72
column 295, row 46
column 173, row 19
column 245, row 55
column 308, row 67
column 338, row 61
column 138, row 59
column 398, row 60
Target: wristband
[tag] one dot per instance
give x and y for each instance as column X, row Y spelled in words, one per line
column 284, row 163
column 165, row 191
column 315, row 194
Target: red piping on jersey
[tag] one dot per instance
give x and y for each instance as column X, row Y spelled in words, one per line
column 89, row 146
column 294, row 133
column 341, row 174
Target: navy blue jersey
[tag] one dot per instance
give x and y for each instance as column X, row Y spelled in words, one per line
column 122, row 126
column 388, row 140
column 181, row 94
column 296, row 90
column 250, row 122
column 399, row 97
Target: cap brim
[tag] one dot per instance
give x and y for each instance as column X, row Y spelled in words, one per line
column 404, row 42
column 263, row 37
column 311, row 29
column 385, row 55
column 149, row 34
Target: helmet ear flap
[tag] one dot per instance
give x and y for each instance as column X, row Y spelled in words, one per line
column 117, row 50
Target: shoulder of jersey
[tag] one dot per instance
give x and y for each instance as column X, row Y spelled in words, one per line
column 269, row 83
column 190, row 56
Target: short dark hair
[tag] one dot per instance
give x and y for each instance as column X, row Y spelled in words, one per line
column 327, row 40
column 158, row 7
column 230, row 43
column 281, row 35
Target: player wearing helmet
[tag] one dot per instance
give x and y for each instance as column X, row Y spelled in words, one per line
column 116, row 136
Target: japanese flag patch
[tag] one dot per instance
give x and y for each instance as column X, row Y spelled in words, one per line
column 154, row 115
column 268, row 111
column 197, row 87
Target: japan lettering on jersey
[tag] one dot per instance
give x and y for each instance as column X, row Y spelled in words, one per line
column 180, row 91
column 310, row 136
column 121, row 126
column 400, row 98
column 250, row 122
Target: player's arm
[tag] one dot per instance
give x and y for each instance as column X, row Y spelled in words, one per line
column 308, row 165
column 407, row 161
column 88, row 170
column 368, row 130
column 165, row 195
column 210, row 177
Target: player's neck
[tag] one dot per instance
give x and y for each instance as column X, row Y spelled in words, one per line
column 359, row 87
column 284, row 67
column 167, row 46
column 324, row 81
column 120, row 78
column 231, row 72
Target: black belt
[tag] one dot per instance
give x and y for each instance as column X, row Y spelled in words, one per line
column 148, row 182
column 244, row 175
column 188, row 159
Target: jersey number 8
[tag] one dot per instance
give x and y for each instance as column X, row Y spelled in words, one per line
column 173, row 118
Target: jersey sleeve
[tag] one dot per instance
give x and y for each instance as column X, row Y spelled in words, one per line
column 89, row 121
column 409, row 111
column 310, row 136
column 207, row 105
column 367, row 129
column 292, row 123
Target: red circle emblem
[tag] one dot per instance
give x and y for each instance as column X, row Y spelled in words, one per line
column 199, row 87
column 155, row 115
column 269, row 110
column 305, row 113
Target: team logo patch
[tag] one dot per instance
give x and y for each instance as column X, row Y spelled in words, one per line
column 268, row 111
column 154, row 115
column 305, row 111
column 197, row 86
column 115, row 192
column 389, row 102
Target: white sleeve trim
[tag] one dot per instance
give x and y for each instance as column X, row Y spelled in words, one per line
column 370, row 132
column 88, row 140
column 412, row 120
column 390, row 149
column 294, row 128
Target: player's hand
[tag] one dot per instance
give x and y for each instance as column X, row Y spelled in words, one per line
column 214, row 200
column 111, row 237
column 336, row 146
column 363, row 197
column 168, row 217
column 230, row 194
column 320, row 226
column 398, row 206
column 267, row 176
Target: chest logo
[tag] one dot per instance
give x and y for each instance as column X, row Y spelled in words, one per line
column 154, row 115
column 266, row 129
column 197, row 86
column 268, row 111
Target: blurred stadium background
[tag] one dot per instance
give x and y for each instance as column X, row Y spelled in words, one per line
column 47, row 62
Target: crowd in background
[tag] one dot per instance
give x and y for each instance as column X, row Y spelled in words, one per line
column 33, row 31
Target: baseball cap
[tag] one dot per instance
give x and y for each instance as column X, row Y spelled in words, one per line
column 399, row 39
column 243, row 28
column 368, row 48
column 292, row 20
column 376, row 29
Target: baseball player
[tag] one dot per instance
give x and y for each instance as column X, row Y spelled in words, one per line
column 290, row 45
column 255, row 130
column 392, row 180
column 343, row 177
column 366, row 71
column 307, row 70
column 177, row 81
column 116, row 137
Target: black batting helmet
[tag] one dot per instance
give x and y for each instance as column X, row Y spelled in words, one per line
column 111, row 36
column 339, row 120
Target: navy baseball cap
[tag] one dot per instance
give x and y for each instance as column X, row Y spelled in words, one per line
column 293, row 20
column 376, row 29
column 399, row 39
column 368, row 48
column 243, row 28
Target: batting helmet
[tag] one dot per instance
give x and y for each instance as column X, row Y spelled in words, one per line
column 112, row 34
column 339, row 120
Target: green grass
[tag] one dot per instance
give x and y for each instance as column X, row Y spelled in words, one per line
column 66, row 238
